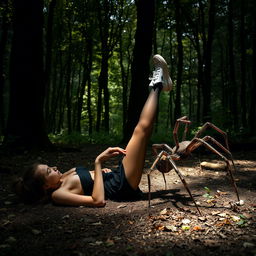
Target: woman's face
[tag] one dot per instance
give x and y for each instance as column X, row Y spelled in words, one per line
column 51, row 175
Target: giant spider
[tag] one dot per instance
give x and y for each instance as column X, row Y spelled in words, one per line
column 164, row 161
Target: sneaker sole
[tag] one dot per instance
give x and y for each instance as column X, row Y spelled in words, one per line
column 158, row 60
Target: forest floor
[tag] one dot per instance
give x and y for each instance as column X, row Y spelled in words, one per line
column 172, row 226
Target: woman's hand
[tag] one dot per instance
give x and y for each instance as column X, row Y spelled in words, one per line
column 106, row 170
column 108, row 153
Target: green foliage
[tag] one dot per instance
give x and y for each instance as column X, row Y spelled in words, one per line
column 208, row 193
column 77, row 139
column 76, row 26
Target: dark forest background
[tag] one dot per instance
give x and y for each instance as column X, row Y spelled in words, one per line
column 77, row 71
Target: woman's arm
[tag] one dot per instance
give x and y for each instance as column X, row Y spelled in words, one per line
column 65, row 197
column 98, row 193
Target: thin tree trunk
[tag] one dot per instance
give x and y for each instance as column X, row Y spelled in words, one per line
column 242, row 65
column 3, row 42
column 48, row 58
column 232, row 67
column 68, row 83
column 177, row 108
column 252, row 113
column 207, row 84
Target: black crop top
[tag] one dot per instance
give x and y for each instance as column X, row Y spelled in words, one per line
column 86, row 180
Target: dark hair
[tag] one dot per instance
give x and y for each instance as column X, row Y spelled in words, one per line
column 29, row 188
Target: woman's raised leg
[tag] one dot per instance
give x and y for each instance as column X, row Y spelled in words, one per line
column 134, row 160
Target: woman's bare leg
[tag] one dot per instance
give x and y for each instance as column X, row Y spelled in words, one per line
column 134, row 160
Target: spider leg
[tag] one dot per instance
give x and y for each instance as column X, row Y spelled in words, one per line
column 196, row 142
column 184, row 120
column 148, row 174
column 165, row 147
column 207, row 138
column 208, row 124
column 176, row 170
column 183, row 181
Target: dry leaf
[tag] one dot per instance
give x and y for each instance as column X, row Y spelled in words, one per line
column 171, row 228
column 235, row 218
column 164, row 211
column 215, row 212
column 223, row 214
column 224, row 222
column 197, row 228
column 202, row 218
column 186, row 221
column 159, row 227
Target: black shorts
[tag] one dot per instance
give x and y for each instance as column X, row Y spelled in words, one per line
column 117, row 187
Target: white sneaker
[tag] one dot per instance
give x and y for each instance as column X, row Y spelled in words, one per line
column 161, row 73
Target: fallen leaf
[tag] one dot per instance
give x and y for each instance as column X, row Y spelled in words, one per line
column 215, row 212
column 235, row 218
column 164, row 211
column 224, row 222
column 202, row 218
column 221, row 192
column 186, row 221
column 197, row 228
column 223, row 214
column 170, row 228
column 159, row 227
column 184, row 227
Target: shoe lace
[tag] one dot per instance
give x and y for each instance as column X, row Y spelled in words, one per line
column 156, row 74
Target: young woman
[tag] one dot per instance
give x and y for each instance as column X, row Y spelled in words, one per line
column 80, row 186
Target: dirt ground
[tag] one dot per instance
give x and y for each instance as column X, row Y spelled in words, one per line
column 172, row 226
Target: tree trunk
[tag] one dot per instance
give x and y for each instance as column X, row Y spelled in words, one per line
column 207, row 84
column 48, row 58
column 177, row 108
column 3, row 42
column 26, row 126
column 252, row 113
column 232, row 79
column 89, row 100
column 242, row 66
column 68, row 82
column 85, row 80
column 140, row 65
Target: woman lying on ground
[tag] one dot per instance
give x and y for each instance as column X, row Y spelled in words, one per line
column 79, row 186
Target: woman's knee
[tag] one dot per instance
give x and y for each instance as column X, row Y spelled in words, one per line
column 143, row 128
